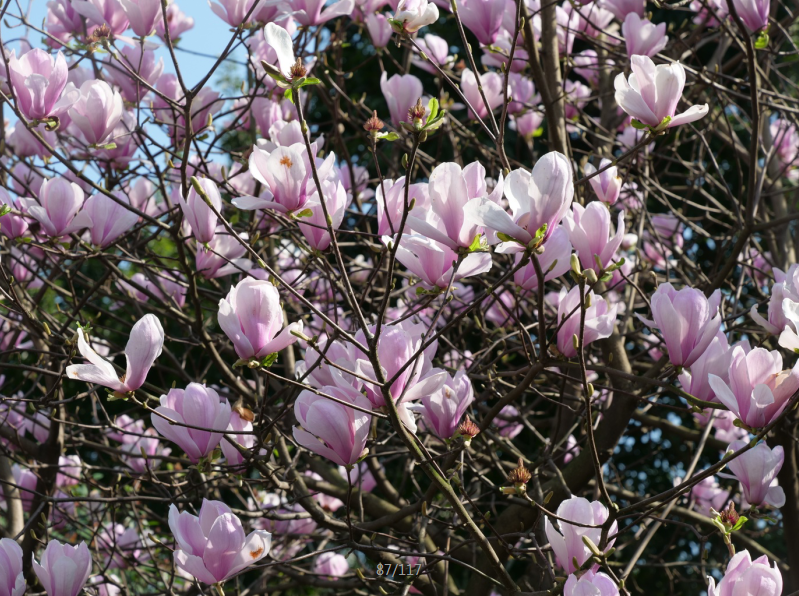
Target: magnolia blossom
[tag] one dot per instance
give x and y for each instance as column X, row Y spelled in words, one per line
column 715, row 360
column 177, row 22
column 483, row 18
column 745, row 577
column 12, row 580
column 687, row 320
column 223, row 255
column 310, row 13
column 589, row 232
column 143, row 347
column 567, row 539
column 450, row 188
column 57, row 209
column 492, row 84
column 331, row 564
column 213, row 547
column 433, row 262
column 40, row 84
column 391, row 205
column 412, row 15
column 642, row 36
column 12, row 225
column 754, row 13
column 251, row 316
column 201, row 218
column 109, row 218
column 332, row 429
column 621, row 8
column 784, row 294
column 536, row 199
column 379, row 29
column 240, row 431
column 554, row 262
column 758, row 389
column 590, row 584
column 600, row 318
column 143, row 64
column 401, row 93
column 233, row 12
column 606, row 184
column 64, row 568
column 197, row 406
column 708, row 495
column 315, row 226
column 103, row 12
column 142, row 15
column 653, row 92
column 443, row 410
column 757, row 471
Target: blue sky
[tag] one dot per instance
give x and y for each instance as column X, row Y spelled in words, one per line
column 209, row 36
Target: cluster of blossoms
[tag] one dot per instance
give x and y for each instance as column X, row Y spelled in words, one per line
column 323, row 297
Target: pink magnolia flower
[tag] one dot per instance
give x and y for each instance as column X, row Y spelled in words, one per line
column 492, row 83
column 379, row 29
column 233, row 12
column 39, row 82
column 240, row 430
column 758, row 389
column 64, row 568
column 143, row 64
column 653, row 92
column 69, row 470
column 754, row 13
column 642, row 36
column 26, row 482
column 177, row 21
column 437, row 50
column 715, row 360
column 57, row 208
column 331, row 564
column 251, row 316
column 120, row 545
column 711, row 13
column 412, row 15
column 109, row 219
column 708, row 495
column 144, row 452
column 784, row 292
column 310, row 13
column 391, row 206
column 201, row 218
column 401, row 93
column 600, row 318
column 568, row 542
column 103, row 12
column 554, row 262
column 606, row 184
column 536, row 199
column 621, row 8
column 224, row 256
column 198, row 406
column 143, row 347
column 687, row 320
column 745, row 577
column 588, row 66
column 589, row 232
column 314, row 227
column 443, row 410
column 757, row 471
column 332, row 429
column 590, row 583
column 12, row 580
column 451, row 188
column 483, row 18
column 12, row 225
column 785, row 140
column 62, row 22
column 213, row 547
column 433, row 262
column 164, row 286
column 142, row 15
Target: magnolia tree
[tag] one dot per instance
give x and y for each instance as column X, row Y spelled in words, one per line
column 481, row 297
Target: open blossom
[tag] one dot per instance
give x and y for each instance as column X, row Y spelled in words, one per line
column 483, row 18
column 251, row 316
column 606, row 184
column 331, row 429
column 536, row 199
column 391, row 205
column 40, row 84
column 554, row 262
column 433, row 262
column 758, row 389
column 223, row 256
column 401, row 92
column 687, row 320
column 314, row 227
column 176, row 20
column 443, row 410
column 745, row 577
column 642, row 36
column 566, row 540
column 757, row 471
column 11, row 225
column 198, row 214
column 714, row 360
column 590, row 584
column 64, row 568
column 589, row 232
column 492, row 84
column 708, row 495
column 784, row 293
column 234, row 12
column 310, row 13
column 109, row 219
column 239, row 430
column 653, row 92
column 600, row 318
column 12, row 580
column 197, row 406
column 437, row 51
column 143, row 64
column 450, row 188
column 412, row 15
column 621, row 8
column 120, row 545
column 143, row 347
column 103, row 12
column 754, row 13
column 58, row 208
column 213, row 547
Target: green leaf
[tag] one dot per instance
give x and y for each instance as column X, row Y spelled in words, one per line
column 476, row 243
column 5, row 209
column 387, row 136
column 269, row 360
column 538, row 132
column 740, row 523
column 432, row 107
column 761, row 43
column 289, row 95
column 309, row 81
column 505, row 237
column 606, row 277
column 303, row 213
column 638, row 125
